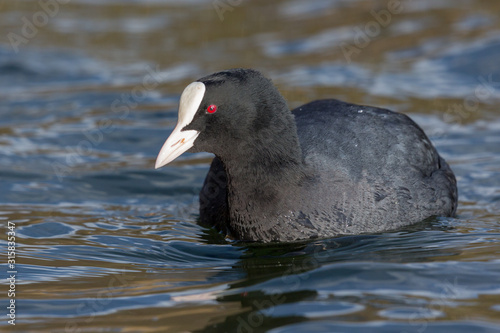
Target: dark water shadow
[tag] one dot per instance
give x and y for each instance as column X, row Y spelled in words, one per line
column 281, row 280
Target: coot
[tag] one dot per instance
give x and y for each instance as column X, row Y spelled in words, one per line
column 327, row 168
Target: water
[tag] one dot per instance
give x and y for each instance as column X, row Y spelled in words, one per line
column 106, row 243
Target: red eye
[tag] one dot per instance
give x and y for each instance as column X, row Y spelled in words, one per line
column 212, row 108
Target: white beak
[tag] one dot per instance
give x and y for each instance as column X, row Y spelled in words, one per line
column 179, row 141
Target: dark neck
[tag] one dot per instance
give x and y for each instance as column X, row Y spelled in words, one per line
column 261, row 172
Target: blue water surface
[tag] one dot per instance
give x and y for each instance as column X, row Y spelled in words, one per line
column 106, row 243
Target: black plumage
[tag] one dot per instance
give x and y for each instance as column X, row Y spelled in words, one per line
column 327, row 168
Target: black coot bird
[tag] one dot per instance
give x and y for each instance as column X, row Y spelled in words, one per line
column 327, row 168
